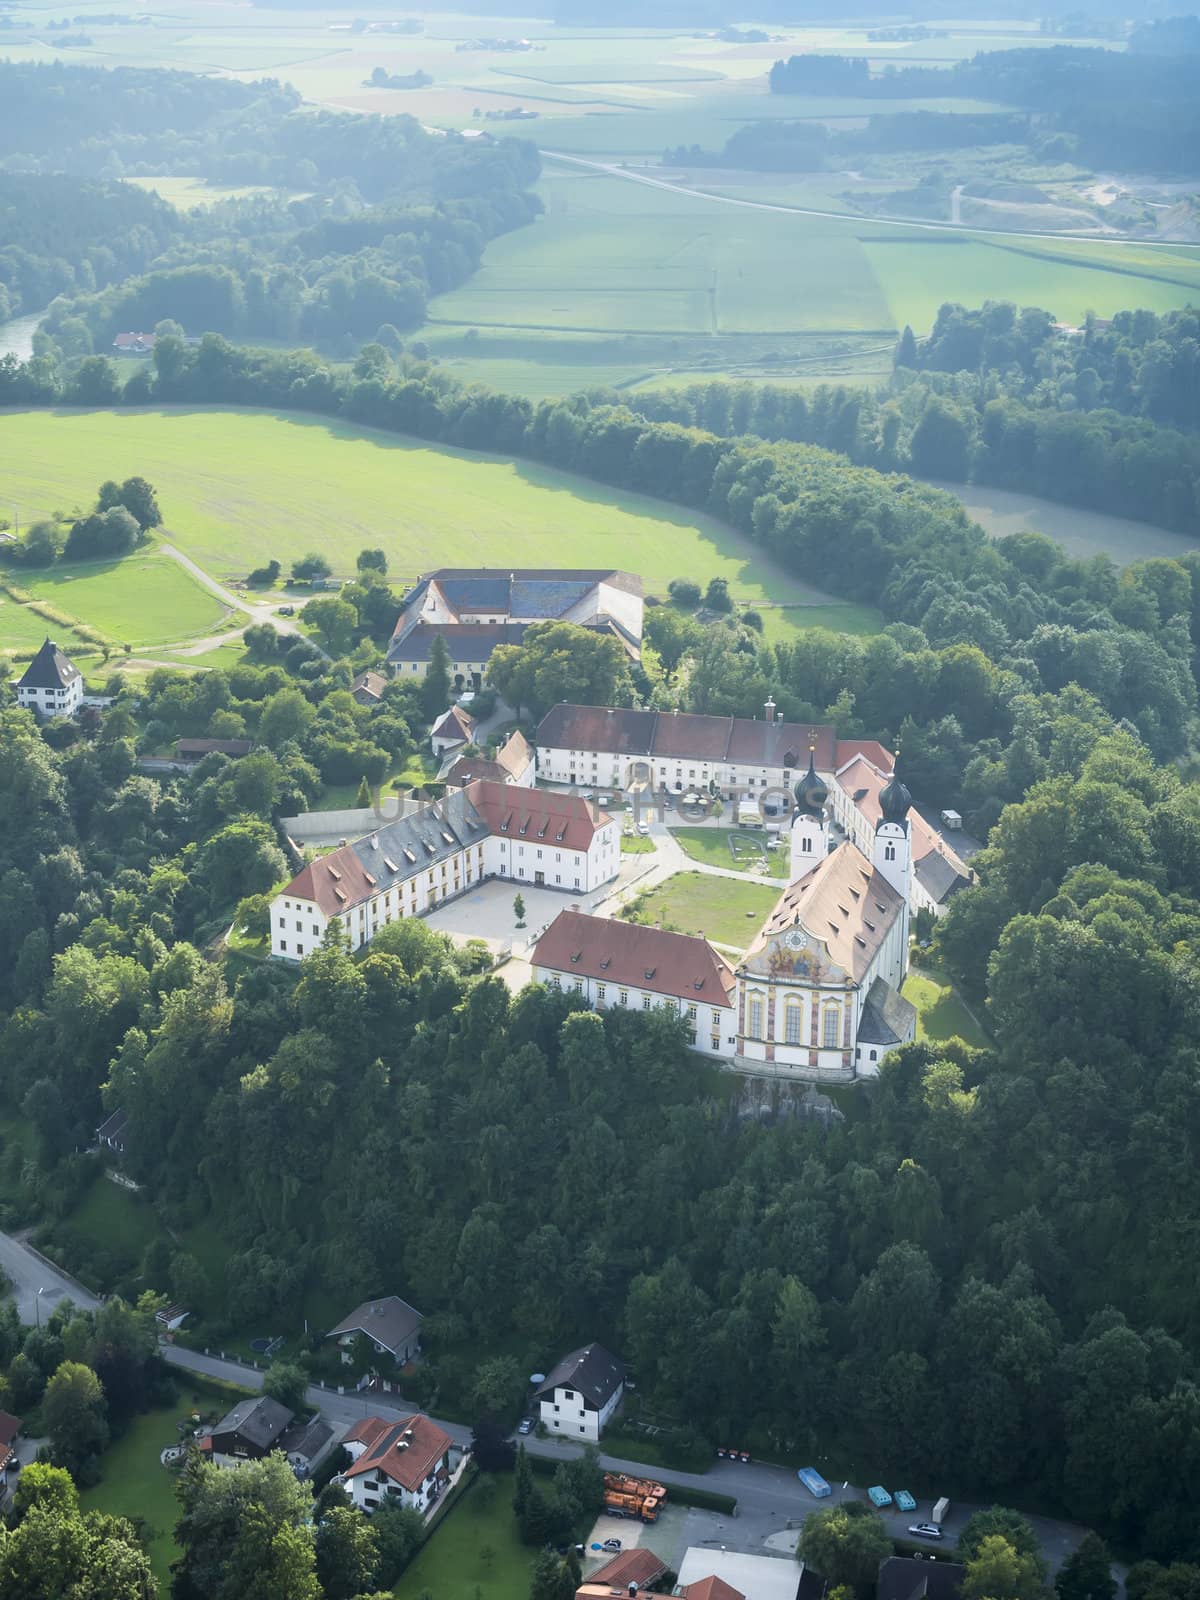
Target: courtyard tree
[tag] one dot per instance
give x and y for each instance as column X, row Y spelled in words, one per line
column 435, row 686
column 519, row 909
column 845, row 1544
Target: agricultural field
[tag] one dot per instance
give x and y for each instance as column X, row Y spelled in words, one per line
column 193, row 194
column 240, row 487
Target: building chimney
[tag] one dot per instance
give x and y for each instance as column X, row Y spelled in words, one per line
column 769, row 708
column 633, row 1589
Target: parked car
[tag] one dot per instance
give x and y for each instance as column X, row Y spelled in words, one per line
column 926, row 1530
column 525, row 1425
column 287, row 611
column 611, row 1546
column 644, row 829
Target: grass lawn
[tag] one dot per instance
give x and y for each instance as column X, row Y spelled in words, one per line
column 454, row 1564
column 633, row 844
column 940, row 1012
column 142, row 600
column 109, row 1212
column 135, row 1484
column 722, row 909
column 238, row 487
column 711, row 846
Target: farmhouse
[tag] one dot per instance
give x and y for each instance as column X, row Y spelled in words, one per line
column 392, row 1326
column 613, row 963
column 368, row 688
column 411, row 865
column 581, row 1394
column 475, row 609
column 51, row 685
column 403, row 1463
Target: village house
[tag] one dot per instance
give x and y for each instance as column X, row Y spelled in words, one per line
column 51, row 685
column 403, row 1463
column 581, row 1394
column 454, row 728
column 612, row 963
column 390, row 1325
column 368, row 688
column 10, row 1429
column 417, row 862
column 475, row 609
column 190, row 751
column 247, row 1433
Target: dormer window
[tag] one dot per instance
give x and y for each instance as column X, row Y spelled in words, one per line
column 575, row 955
column 650, row 971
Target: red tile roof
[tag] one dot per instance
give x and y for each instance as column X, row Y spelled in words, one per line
column 684, row 736
column 863, row 782
column 712, row 1589
column 10, row 1427
column 628, row 955
column 639, row 1565
column 844, row 903
column 875, row 753
column 407, row 1451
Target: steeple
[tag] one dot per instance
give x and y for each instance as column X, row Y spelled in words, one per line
column 810, row 826
column 893, row 844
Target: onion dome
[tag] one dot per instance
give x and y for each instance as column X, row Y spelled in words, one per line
column 894, row 801
column 810, row 792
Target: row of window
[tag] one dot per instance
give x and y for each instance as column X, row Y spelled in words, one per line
column 793, row 1022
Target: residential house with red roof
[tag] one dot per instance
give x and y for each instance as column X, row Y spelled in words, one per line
column 406, row 1463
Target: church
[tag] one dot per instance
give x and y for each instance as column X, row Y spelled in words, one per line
column 817, row 995
column 819, row 989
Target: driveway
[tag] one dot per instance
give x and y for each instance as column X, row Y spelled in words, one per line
column 34, row 1279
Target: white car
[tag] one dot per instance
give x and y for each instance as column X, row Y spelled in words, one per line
column 926, row 1530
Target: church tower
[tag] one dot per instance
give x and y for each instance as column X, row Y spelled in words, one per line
column 810, row 826
column 893, row 841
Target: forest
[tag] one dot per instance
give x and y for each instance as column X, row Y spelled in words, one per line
column 1133, row 110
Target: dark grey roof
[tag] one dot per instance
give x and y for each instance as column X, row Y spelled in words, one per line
column 306, row 1438
column 258, row 1421
column 906, row 1578
column 939, row 877
column 469, row 641
column 592, row 1370
column 390, row 1322
column 435, row 833
column 49, row 669
column 887, row 1017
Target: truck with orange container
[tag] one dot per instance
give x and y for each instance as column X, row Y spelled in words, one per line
column 632, row 1497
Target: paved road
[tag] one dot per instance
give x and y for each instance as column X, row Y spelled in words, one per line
column 770, row 1500
column 34, row 1279
column 255, row 611
column 614, row 170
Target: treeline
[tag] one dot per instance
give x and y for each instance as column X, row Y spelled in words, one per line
column 776, row 145
column 297, row 273
column 1106, row 107
column 61, row 235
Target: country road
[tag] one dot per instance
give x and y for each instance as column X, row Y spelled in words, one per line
column 769, row 1499
column 254, row 611
column 615, row 170
column 38, row 1286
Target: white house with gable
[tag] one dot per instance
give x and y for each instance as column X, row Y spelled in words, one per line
column 581, row 1394
column 404, row 1462
column 51, row 685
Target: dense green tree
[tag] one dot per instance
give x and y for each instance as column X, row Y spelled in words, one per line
column 51, row 1550
column 244, row 1533
column 286, row 1382
column 1086, row 1574
column 73, row 1411
column 347, row 1553
column 845, row 1544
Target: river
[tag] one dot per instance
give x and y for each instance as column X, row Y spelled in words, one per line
column 1081, row 533
column 16, row 337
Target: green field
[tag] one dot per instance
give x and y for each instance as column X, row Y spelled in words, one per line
column 711, row 847
column 940, row 1012
column 722, row 909
column 473, row 1550
column 135, row 1484
column 239, row 487
column 142, row 600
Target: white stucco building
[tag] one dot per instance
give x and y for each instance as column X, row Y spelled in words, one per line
column 404, row 1463
column 51, row 685
column 623, row 964
column 579, row 1396
column 411, row 865
column 938, row 872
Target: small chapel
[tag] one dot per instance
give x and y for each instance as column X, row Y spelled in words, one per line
column 818, row 992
